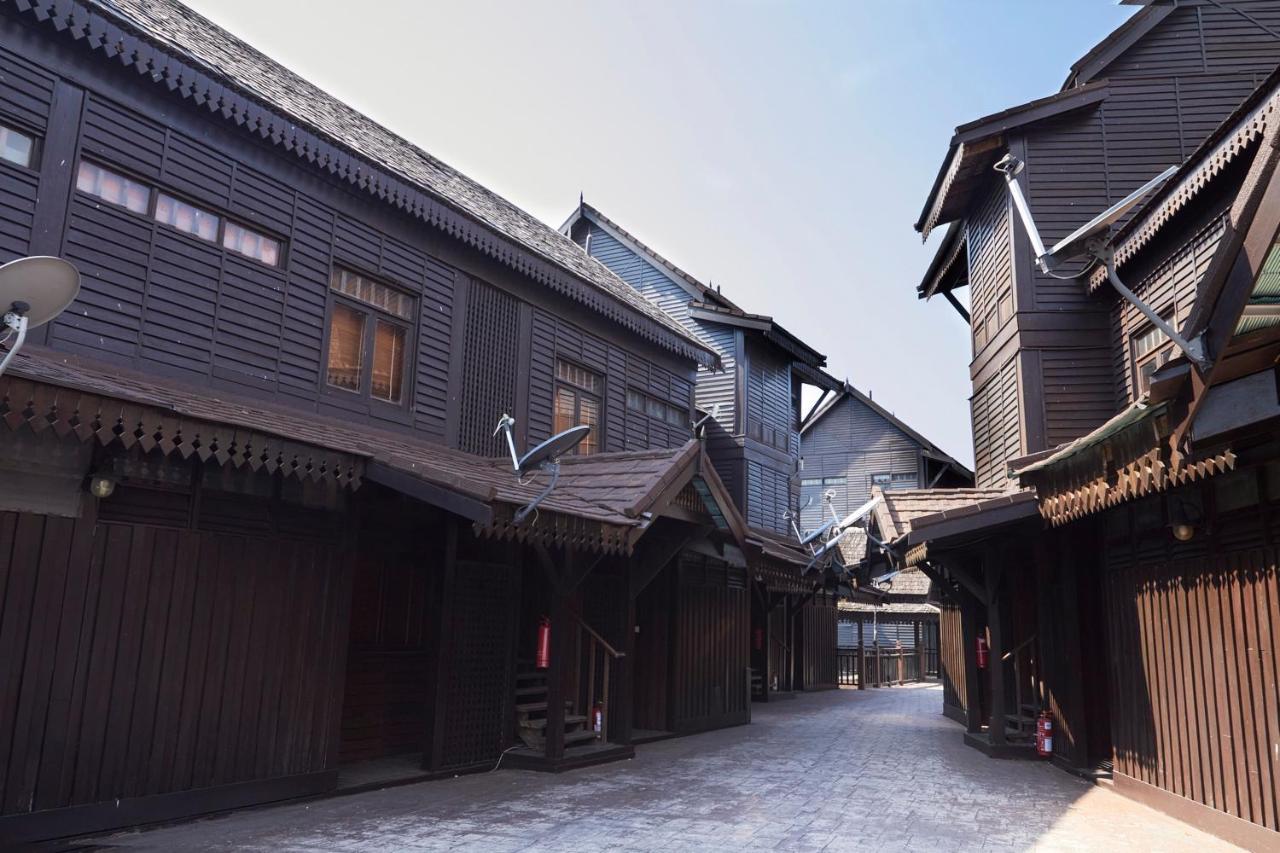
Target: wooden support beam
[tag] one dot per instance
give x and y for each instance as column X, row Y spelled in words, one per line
column 577, row 570
column 564, row 630
column 993, row 569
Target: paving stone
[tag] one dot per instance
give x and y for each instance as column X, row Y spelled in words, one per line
column 835, row 771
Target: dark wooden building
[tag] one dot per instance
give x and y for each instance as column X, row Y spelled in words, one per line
column 753, row 431
column 1123, row 573
column 298, row 566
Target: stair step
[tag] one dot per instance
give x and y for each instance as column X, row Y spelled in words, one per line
column 536, row 690
column 532, row 675
column 579, row 737
column 569, row 720
column 528, row 707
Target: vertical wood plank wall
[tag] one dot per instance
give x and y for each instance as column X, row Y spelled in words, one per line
column 951, row 650
column 138, row 660
column 819, row 652
column 712, row 628
column 1194, row 661
column 1194, row 679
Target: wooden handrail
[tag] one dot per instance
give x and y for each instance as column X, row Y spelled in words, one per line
column 614, row 653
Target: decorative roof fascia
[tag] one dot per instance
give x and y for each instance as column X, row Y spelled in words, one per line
column 111, row 422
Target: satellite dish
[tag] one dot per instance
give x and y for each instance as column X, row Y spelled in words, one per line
column 1076, row 244
column 1088, row 241
column 817, row 531
column 552, row 449
column 544, row 457
column 32, row 292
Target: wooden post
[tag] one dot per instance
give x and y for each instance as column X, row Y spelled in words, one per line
column 563, row 632
column 995, row 666
column 433, row 755
column 919, row 651
column 623, row 723
column 970, row 616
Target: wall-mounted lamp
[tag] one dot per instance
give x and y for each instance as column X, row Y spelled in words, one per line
column 1183, row 519
column 102, row 485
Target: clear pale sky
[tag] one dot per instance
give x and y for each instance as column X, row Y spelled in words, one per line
column 779, row 150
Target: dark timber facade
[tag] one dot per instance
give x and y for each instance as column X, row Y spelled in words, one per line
column 1120, row 565
column 294, row 337
column 752, row 403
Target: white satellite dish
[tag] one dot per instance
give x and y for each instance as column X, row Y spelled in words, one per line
column 1076, row 244
column 32, row 292
column 1090, row 241
column 543, row 457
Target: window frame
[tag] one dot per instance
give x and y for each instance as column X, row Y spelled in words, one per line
column 668, row 409
column 154, row 191
column 580, row 391
column 1159, row 354
column 37, row 145
column 364, row 399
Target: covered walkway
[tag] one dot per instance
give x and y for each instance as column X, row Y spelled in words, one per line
column 841, row 770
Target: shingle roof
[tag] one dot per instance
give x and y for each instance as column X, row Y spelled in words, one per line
column 205, row 45
column 900, row 508
column 612, row 489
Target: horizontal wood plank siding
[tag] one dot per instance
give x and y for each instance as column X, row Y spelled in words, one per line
column 996, row 435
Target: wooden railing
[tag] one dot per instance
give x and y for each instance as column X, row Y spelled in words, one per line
column 883, row 666
column 599, row 659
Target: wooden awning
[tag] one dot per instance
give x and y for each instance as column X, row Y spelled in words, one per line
column 603, row 502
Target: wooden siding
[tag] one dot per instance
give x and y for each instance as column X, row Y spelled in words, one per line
column 157, row 300
column 1171, row 290
column 1193, row 663
column 990, row 253
column 713, row 387
column 1078, row 392
column 951, row 656
column 996, row 429
column 819, row 646
column 131, row 659
column 624, row 429
column 769, row 495
column 853, row 441
column 1203, row 37
column 712, row 627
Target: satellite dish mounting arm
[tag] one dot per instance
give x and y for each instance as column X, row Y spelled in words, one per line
column 1089, row 242
column 15, row 320
column 506, row 424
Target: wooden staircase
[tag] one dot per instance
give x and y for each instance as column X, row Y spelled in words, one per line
column 531, row 713
column 1021, row 727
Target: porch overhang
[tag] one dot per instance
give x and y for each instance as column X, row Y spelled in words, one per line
column 602, row 503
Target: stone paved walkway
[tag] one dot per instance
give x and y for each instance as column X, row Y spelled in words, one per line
column 830, row 771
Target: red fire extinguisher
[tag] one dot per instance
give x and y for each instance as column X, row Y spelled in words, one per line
column 1044, row 734
column 542, row 659
column 597, row 718
column 982, row 652
column 759, row 637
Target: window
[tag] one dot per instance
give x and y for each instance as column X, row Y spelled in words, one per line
column 105, row 184
column 187, row 218
column 903, row 481
column 577, row 403
column 884, row 481
column 638, row 401
column 110, row 186
column 1149, row 353
column 16, row 147
column 251, row 244
column 372, row 332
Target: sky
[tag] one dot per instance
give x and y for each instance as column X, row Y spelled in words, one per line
column 779, row 150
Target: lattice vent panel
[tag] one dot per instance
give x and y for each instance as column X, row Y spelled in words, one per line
column 491, row 364
column 479, row 665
